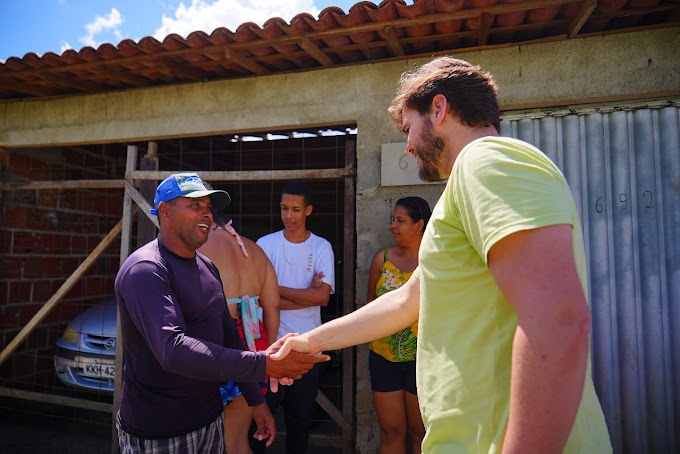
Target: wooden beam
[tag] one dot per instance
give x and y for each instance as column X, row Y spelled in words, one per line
column 582, row 17
column 64, row 184
column 61, row 292
column 249, row 175
column 77, row 82
column 484, row 24
column 181, row 69
column 313, row 50
column 333, row 412
column 393, row 41
column 141, row 201
column 58, row 400
column 329, row 441
column 250, row 65
column 128, row 78
column 30, row 89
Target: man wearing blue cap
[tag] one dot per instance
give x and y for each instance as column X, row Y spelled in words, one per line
column 178, row 338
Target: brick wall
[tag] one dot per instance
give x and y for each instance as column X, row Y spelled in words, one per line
column 44, row 236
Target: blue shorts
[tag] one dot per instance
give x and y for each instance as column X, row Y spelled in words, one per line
column 388, row 376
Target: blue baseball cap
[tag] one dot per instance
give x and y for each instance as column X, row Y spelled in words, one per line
column 188, row 185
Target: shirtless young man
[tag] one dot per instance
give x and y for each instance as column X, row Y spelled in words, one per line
column 249, row 283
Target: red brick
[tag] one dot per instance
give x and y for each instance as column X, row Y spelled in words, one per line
column 12, row 267
column 114, row 205
column 4, row 292
column 70, row 264
column 16, row 217
column 78, row 290
column 33, row 267
column 112, row 264
column 44, row 361
column 95, row 286
column 5, row 321
column 26, row 197
column 6, row 241
column 44, row 289
column 37, row 339
column 52, row 267
column 49, row 198
column 21, row 314
column 78, row 245
column 23, row 363
column 46, row 220
column 26, row 242
column 55, row 334
column 66, row 310
column 72, row 223
column 7, row 335
column 20, row 291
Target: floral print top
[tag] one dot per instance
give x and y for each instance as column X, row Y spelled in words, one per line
column 399, row 347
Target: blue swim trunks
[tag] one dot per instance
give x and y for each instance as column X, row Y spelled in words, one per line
column 228, row 391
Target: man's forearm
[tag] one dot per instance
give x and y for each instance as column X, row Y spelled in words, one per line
column 287, row 305
column 305, row 297
column 386, row 315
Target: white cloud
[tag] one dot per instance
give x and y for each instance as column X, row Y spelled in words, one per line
column 107, row 23
column 206, row 15
column 65, row 46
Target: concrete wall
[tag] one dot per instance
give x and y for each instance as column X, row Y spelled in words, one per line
column 622, row 66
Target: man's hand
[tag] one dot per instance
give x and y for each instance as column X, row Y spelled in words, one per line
column 317, row 280
column 286, row 381
column 291, row 365
column 291, row 343
column 266, row 427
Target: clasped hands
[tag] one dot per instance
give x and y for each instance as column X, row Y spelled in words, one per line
column 289, row 358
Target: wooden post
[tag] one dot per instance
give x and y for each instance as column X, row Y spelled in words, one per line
column 146, row 230
column 130, row 165
column 348, row 303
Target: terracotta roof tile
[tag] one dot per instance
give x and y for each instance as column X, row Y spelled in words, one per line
column 366, row 33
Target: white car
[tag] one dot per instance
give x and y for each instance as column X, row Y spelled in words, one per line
column 85, row 356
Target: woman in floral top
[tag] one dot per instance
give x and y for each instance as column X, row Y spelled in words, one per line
column 392, row 360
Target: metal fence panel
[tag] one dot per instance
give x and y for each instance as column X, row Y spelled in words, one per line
column 623, row 166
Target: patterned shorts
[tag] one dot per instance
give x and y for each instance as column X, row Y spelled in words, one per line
column 206, row 440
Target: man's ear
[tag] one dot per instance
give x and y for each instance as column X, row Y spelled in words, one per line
column 309, row 209
column 438, row 109
column 163, row 209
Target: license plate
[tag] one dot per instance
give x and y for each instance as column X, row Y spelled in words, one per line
column 101, row 368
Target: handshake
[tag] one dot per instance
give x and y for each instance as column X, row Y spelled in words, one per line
column 289, row 358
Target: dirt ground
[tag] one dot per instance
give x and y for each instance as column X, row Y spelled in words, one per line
column 39, row 428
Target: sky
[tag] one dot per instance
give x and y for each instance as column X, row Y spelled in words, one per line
column 42, row 26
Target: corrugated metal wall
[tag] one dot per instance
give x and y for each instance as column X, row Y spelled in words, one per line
column 623, row 166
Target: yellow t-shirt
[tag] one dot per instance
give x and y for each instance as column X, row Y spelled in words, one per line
column 498, row 186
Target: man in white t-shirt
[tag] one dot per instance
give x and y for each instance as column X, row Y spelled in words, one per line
column 305, row 271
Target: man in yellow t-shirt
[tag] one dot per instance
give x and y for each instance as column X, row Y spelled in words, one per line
column 503, row 360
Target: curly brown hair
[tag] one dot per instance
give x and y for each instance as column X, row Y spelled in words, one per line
column 471, row 92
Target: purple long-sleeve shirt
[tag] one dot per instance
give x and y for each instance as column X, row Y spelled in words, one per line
column 175, row 326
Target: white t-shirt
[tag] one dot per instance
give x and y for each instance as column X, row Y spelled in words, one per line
column 295, row 265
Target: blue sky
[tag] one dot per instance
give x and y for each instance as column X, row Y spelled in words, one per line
column 42, row 26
